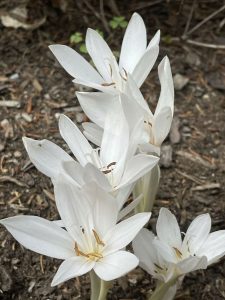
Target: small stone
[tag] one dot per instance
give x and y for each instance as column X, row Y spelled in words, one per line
column 174, row 131
column 166, row 156
column 7, row 128
column 180, row 81
column 5, row 280
column 2, row 147
column 186, row 129
column 79, row 117
column 28, row 118
column 193, row 59
column 14, row 76
column 17, row 154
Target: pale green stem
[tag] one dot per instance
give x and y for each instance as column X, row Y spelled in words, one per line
column 148, row 186
column 162, row 289
column 95, row 285
column 105, row 286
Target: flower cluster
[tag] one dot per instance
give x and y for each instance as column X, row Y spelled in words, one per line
column 92, row 187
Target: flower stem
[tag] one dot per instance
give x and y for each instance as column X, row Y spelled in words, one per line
column 95, row 285
column 148, row 186
column 105, row 286
column 162, row 290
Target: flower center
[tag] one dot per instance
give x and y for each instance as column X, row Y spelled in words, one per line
column 94, row 255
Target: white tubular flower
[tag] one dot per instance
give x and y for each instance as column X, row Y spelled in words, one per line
column 115, row 159
column 167, row 255
column 92, row 239
column 155, row 126
column 136, row 58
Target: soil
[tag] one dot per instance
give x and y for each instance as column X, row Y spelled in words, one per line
column 192, row 182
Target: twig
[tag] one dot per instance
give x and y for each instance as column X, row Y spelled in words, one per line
column 144, row 5
column 189, row 19
column 190, row 177
column 13, row 180
column 103, row 18
column 92, row 9
column 207, row 186
column 206, row 20
column 206, row 45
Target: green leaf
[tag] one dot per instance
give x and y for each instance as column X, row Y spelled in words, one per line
column 118, row 21
column 113, row 24
column 83, row 48
column 76, row 38
column 123, row 24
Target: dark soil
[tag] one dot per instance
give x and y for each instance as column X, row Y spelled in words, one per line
column 191, row 184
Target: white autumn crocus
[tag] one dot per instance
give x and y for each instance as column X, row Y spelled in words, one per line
column 167, row 256
column 115, row 158
column 92, row 239
column 136, row 58
column 155, row 126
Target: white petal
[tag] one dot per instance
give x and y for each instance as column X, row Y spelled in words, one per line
column 165, row 251
column 108, row 89
column 136, row 167
column 99, row 52
column 93, row 132
column 134, row 43
column 167, row 229
column 46, row 156
column 40, row 235
column 124, row 232
column 145, row 250
column 214, row 247
column 74, row 208
column 96, row 105
column 75, row 172
column 75, row 64
column 197, row 233
column 115, row 265
column 166, row 98
column 155, row 40
column 122, row 198
column 115, row 138
column 145, row 65
column 104, row 209
column 70, row 268
column 75, row 140
column 149, row 149
column 92, row 174
column 132, row 90
column 191, row 264
column 161, row 125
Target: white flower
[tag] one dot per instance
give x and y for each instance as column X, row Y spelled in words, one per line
column 115, row 159
column 167, row 254
column 136, row 58
column 92, row 239
column 155, row 126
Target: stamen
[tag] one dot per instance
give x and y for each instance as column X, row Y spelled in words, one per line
column 178, row 253
column 158, row 267
column 108, row 84
column 125, row 72
column 106, row 171
column 111, row 164
column 97, row 238
column 94, row 254
column 78, row 252
column 110, row 70
column 150, row 124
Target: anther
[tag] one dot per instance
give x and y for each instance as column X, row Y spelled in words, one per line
column 97, row 238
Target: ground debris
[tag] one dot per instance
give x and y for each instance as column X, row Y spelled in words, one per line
column 10, row 103
column 7, row 128
column 174, row 131
column 166, row 156
column 5, row 280
column 180, row 81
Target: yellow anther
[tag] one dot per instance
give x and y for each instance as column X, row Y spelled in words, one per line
column 178, row 253
column 97, row 238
